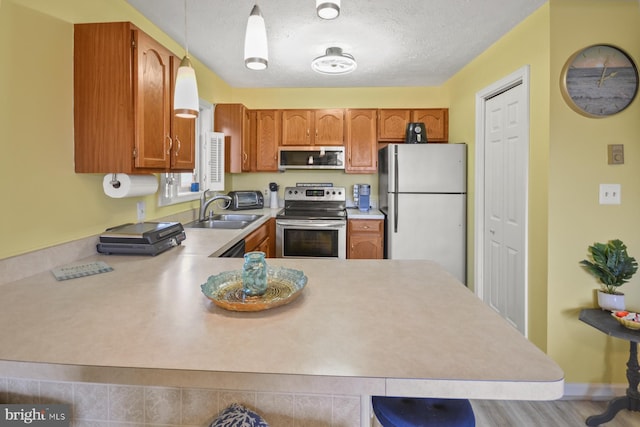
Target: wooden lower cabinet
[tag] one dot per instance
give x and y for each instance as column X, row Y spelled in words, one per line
column 365, row 239
column 263, row 239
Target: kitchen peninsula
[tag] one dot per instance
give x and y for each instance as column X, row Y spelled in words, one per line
column 360, row 328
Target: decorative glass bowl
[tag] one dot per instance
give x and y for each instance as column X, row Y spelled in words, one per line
column 226, row 291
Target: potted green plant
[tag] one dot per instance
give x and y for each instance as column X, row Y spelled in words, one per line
column 612, row 266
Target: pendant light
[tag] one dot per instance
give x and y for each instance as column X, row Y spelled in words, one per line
column 185, row 94
column 256, row 54
column 328, row 9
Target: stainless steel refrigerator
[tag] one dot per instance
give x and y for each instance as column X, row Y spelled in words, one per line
column 423, row 194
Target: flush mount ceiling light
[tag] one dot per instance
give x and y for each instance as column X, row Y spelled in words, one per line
column 328, row 9
column 334, row 61
column 256, row 54
column 185, row 93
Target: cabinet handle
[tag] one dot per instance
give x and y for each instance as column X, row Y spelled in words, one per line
column 244, row 156
column 170, row 144
column 179, row 145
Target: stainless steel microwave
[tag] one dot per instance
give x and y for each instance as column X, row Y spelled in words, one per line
column 310, row 157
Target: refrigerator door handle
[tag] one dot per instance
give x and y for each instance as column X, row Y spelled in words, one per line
column 395, row 212
column 395, row 188
column 395, row 169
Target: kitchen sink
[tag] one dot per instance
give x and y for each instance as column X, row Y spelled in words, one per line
column 225, row 221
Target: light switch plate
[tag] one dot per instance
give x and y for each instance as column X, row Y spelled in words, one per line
column 610, row 194
column 615, row 154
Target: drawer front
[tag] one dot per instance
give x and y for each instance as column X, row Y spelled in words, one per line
column 365, row 225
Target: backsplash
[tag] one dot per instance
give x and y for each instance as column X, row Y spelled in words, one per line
column 116, row 405
column 260, row 181
column 21, row 266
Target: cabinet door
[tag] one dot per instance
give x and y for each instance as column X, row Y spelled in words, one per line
column 361, row 142
column 296, row 127
column 365, row 246
column 267, row 136
column 264, row 247
column 152, row 73
column 183, row 131
column 328, row 127
column 436, row 120
column 247, row 150
column 233, row 120
column 392, row 124
column 102, row 98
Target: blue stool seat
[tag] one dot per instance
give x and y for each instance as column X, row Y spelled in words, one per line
column 415, row 412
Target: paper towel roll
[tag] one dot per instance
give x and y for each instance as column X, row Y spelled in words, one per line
column 121, row 185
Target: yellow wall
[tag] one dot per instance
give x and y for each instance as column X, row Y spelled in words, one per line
column 577, row 165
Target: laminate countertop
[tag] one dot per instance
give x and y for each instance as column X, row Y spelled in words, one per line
column 374, row 327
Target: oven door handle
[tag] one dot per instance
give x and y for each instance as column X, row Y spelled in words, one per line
column 311, row 224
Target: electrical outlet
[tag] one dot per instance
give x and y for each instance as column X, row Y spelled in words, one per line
column 610, row 194
column 141, row 211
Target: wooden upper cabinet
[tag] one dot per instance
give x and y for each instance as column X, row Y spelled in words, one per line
column 436, row 121
column 122, row 102
column 152, row 88
column 296, row 127
column 392, row 123
column 267, row 135
column 361, row 143
column 234, row 120
column 328, row 127
column 313, row 127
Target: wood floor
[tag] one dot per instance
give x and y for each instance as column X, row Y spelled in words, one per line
column 561, row 413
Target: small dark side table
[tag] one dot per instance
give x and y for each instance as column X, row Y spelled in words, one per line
column 603, row 321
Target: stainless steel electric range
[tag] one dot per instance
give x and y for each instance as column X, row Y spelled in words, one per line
column 313, row 223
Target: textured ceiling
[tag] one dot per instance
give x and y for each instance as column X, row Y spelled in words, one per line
column 395, row 42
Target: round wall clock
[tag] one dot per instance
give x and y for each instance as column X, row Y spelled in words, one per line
column 599, row 81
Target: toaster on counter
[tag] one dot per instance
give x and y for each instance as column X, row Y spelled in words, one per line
column 246, row 200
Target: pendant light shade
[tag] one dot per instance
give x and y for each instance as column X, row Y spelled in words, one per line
column 328, row 9
column 256, row 54
column 185, row 95
column 185, row 92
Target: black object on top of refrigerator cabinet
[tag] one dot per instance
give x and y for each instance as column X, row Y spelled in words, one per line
column 416, row 133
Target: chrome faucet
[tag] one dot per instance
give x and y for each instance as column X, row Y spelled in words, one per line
column 204, row 202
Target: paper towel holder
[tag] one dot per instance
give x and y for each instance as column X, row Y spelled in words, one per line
column 114, row 181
